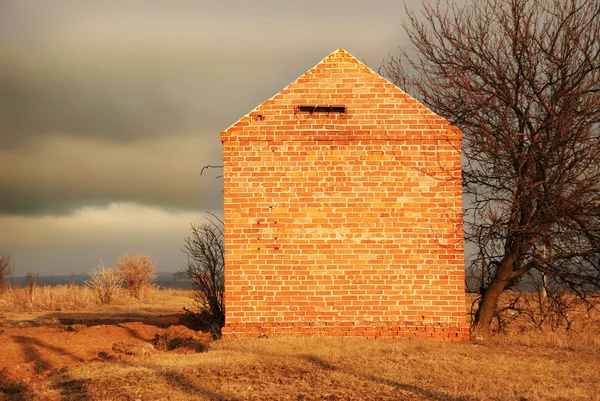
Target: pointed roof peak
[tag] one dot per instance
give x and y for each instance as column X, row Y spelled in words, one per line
column 337, row 58
column 339, row 78
column 340, row 53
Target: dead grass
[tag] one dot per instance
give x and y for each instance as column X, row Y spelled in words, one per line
column 520, row 326
column 520, row 364
column 47, row 298
column 336, row 369
column 83, row 298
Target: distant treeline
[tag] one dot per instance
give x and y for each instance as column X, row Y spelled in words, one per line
column 163, row 280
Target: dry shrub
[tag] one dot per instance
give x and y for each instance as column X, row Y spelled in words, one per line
column 6, row 268
column 138, row 273
column 31, row 283
column 205, row 250
column 543, row 312
column 545, row 320
column 105, row 282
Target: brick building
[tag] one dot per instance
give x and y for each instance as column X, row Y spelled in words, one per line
column 343, row 212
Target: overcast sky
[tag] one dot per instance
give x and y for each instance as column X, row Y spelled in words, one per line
column 109, row 110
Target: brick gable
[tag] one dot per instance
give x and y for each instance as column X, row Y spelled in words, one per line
column 344, row 220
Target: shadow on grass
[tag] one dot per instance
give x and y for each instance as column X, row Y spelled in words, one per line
column 79, row 389
column 197, row 322
column 69, row 389
column 423, row 392
column 189, row 387
column 11, row 390
column 72, row 389
column 127, row 386
column 116, row 388
column 29, row 344
column 97, row 319
column 324, row 365
column 320, row 363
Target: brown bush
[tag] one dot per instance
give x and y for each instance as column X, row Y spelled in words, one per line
column 105, row 282
column 138, row 272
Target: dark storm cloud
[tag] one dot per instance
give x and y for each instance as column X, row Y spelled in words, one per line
column 39, row 103
column 65, row 174
column 112, row 101
column 129, row 70
column 110, row 108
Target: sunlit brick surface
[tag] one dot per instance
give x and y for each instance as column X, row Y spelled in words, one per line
column 343, row 224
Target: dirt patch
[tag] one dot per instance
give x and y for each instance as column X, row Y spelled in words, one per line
column 31, row 352
column 182, row 340
column 133, row 349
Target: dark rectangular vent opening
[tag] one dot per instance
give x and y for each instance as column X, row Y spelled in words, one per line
column 322, row 109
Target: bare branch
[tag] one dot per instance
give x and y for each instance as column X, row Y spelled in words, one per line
column 6, row 268
column 521, row 78
column 205, row 250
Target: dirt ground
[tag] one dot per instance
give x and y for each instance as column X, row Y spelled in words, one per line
column 126, row 354
column 36, row 347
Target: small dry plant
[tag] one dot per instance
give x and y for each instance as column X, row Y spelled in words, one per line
column 31, row 284
column 6, row 268
column 138, row 273
column 105, row 282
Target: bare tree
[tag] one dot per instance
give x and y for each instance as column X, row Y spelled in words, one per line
column 521, row 78
column 205, row 250
column 6, row 268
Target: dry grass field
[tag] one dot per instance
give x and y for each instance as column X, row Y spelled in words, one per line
column 61, row 345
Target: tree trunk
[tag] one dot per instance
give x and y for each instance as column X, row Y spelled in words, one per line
column 489, row 297
column 487, row 308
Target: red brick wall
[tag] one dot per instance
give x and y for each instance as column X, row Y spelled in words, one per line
column 343, row 224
